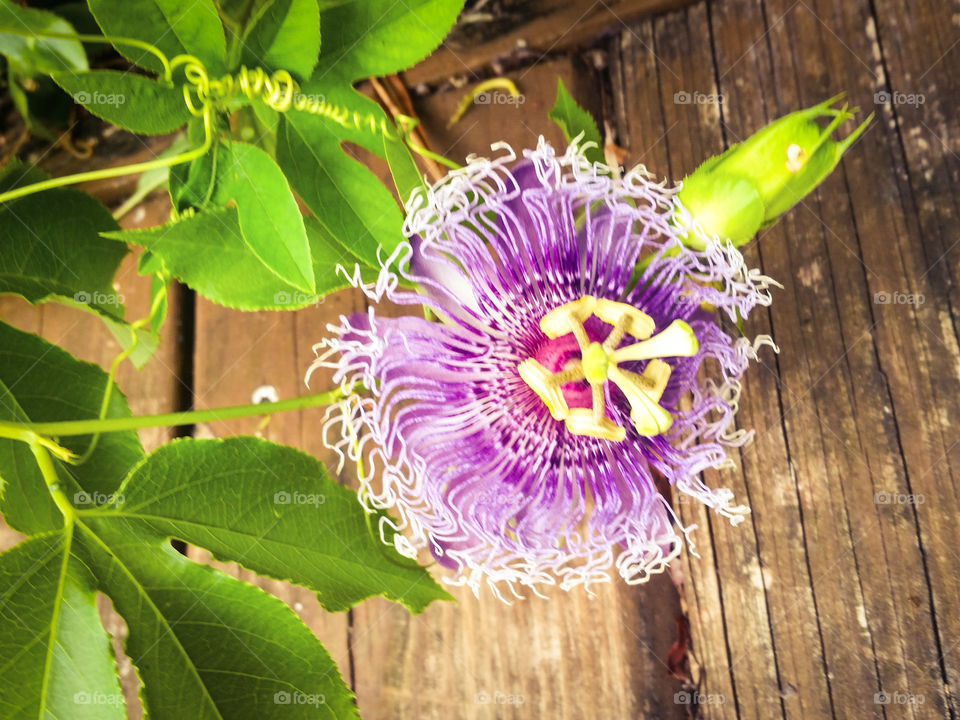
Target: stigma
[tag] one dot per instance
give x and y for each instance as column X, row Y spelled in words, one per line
column 599, row 363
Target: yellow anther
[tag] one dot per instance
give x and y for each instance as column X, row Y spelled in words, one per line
column 643, row 393
column 677, row 340
column 634, row 322
column 580, row 421
column 542, row 382
column 568, row 317
column 655, row 376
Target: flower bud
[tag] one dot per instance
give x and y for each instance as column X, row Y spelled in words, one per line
column 748, row 187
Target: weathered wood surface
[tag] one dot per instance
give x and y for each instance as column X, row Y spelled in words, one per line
column 838, row 596
column 523, row 32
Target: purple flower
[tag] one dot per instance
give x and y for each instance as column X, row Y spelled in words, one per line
column 518, row 425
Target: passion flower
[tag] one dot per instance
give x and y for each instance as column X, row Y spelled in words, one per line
column 571, row 351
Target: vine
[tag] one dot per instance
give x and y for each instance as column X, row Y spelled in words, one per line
column 204, row 95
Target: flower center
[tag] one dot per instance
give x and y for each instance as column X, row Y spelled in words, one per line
column 598, row 364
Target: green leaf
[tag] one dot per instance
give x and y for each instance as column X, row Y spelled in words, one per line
column 50, row 245
column 346, row 197
column 207, row 252
column 43, row 55
column 206, row 643
column 353, row 206
column 191, row 184
column 296, row 524
column 174, row 27
column 134, row 102
column 406, row 174
column 328, row 254
column 270, row 221
column 48, row 384
column 199, row 638
column 55, row 657
column 380, row 37
column 573, row 120
column 24, row 499
column 285, row 36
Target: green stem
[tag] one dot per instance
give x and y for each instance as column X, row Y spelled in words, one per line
column 116, row 171
column 189, row 417
column 49, row 472
column 112, row 39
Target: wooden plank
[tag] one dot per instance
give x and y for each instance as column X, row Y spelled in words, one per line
column 670, row 140
column 820, row 602
column 529, row 29
column 899, row 458
column 567, row 657
column 918, row 43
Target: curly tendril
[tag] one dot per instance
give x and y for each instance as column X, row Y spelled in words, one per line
column 277, row 90
column 203, row 95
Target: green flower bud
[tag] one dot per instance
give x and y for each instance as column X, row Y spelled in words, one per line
column 748, row 187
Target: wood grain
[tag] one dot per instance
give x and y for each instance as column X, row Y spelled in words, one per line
column 837, row 597
column 830, row 595
column 530, row 30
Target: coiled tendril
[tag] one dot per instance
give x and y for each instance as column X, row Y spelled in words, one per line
column 277, row 90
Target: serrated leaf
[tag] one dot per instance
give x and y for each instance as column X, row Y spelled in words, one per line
column 134, row 102
column 269, row 218
column 205, row 642
column 48, row 384
column 24, row 499
column 345, row 196
column 38, row 54
column 207, row 252
column 285, row 36
column 573, row 120
column 380, row 37
column 47, row 254
column 328, row 254
column 199, row 638
column 172, row 26
column 296, row 524
column 55, row 657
